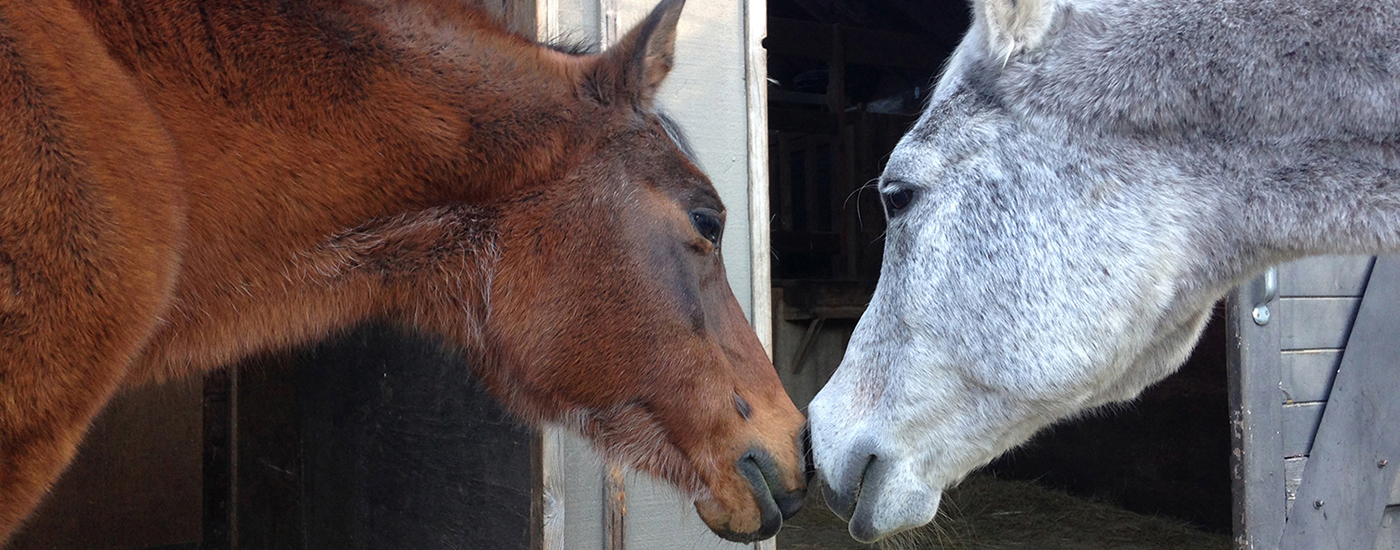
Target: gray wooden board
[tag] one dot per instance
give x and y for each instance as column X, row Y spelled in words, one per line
column 1256, row 467
column 1389, row 537
column 573, row 493
column 1292, row 478
column 1300, row 423
column 1325, row 276
column 1308, row 374
column 1343, row 491
column 1394, row 499
column 1315, row 323
column 671, row 521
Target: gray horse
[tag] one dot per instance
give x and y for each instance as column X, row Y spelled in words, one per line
column 1089, row 178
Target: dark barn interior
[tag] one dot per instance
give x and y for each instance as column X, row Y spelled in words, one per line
column 846, row 79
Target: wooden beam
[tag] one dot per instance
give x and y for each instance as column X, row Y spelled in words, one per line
column 1356, row 454
column 760, row 219
column 615, row 504
column 1256, row 422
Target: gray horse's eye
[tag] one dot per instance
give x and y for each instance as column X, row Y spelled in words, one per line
column 897, row 199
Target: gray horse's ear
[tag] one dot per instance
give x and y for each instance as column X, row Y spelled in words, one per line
column 1014, row 26
column 633, row 69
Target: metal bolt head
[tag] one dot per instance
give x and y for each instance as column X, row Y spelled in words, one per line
column 1317, row 503
column 1261, row 315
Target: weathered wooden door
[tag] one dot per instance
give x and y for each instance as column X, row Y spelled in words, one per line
column 1315, row 405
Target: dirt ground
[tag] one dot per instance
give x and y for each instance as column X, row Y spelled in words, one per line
column 986, row 513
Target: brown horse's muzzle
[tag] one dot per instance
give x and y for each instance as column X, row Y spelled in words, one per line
column 774, row 494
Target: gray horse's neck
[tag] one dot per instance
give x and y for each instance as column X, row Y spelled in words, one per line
column 1337, row 196
column 1286, row 111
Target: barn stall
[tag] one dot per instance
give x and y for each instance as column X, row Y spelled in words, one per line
column 376, row 440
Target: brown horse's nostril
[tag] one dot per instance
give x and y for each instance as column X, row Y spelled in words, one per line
column 770, row 513
column 758, row 468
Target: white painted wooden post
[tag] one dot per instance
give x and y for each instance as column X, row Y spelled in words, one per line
column 760, row 241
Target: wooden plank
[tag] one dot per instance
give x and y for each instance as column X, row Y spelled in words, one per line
column 220, row 438
column 1308, row 374
column 1316, row 323
column 1256, row 419
column 822, row 242
column 813, row 163
column 1348, row 478
column 1394, row 499
column 785, row 208
column 756, row 95
column 659, row 517
column 136, row 479
column 267, row 457
column 1300, row 423
column 1325, row 276
column 584, row 514
column 401, row 448
column 1395, row 493
column 1292, row 478
column 1389, row 537
column 549, row 501
column 615, row 504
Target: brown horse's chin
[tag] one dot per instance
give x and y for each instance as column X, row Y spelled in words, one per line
column 757, row 515
column 761, row 521
column 746, row 502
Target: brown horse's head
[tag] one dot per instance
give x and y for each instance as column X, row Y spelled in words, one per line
column 611, row 313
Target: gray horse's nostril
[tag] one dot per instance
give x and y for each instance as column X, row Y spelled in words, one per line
column 843, row 502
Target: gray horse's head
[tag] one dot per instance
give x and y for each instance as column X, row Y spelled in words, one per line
column 1081, row 189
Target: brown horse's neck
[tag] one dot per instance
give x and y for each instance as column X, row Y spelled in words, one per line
column 299, row 122
column 416, row 102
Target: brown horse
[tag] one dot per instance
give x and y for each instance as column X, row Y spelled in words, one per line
column 186, row 183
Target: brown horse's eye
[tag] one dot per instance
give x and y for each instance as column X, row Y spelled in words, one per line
column 897, row 199
column 707, row 223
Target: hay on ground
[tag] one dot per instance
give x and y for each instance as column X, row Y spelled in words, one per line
column 985, row 513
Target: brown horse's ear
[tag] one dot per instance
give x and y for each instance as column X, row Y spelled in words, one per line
column 632, row 70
